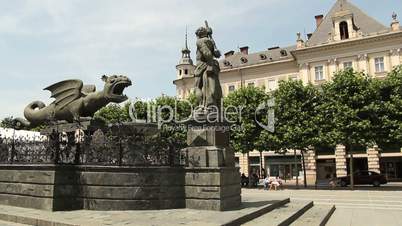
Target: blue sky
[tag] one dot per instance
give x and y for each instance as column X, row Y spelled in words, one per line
column 45, row 41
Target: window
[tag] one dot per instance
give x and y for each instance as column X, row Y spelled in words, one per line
column 251, row 84
column 347, row 65
column 186, row 71
column 343, row 28
column 231, row 88
column 179, row 72
column 379, row 64
column 271, row 85
column 319, row 73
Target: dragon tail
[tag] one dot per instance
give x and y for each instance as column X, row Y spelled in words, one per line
column 34, row 115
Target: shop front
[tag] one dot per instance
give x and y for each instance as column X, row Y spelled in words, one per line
column 391, row 167
column 282, row 166
column 326, row 169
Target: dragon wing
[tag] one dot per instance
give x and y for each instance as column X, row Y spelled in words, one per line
column 65, row 92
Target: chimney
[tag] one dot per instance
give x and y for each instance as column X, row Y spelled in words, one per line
column 244, row 50
column 228, row 54
column 309, row 36
column 318, row 19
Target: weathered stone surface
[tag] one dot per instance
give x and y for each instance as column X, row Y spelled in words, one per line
column 26, row 201
column 215, row 192
column 207, row 137
column 38, row 190
column 39, row 177
column 149, row 177
column 214, row 204
column 209, row 156
column 103, row 188
column 212, row 176
column 105, row 204
column 135, row 193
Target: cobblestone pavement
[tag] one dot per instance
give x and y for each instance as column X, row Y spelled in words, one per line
column 354, row 208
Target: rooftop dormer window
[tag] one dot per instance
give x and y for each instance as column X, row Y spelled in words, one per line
column 243, row 60
column 226, row 63
column 263, row 56
column 343, row 29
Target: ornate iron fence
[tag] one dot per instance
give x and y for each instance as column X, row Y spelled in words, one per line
column 115, row 146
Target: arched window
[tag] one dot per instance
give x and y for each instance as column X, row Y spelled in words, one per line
column 343, row 28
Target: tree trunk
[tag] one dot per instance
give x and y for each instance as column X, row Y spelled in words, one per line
column 296, row 170
column 249, row 171
column 352, row 182
column 261, row 176
column 304, row 170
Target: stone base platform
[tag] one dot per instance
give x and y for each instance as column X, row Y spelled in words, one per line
column 251, row 208
column 68, row 187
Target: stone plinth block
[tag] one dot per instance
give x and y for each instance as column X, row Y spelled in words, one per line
column 213, row 135
column 212, row 182
column 210, row 188
column 208, row 156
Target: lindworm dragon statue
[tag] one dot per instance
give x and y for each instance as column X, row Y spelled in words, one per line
column 74, row 101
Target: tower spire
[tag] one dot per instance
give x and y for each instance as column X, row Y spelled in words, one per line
column 185, row 52
column 186, row 39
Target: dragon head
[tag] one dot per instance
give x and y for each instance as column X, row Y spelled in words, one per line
column 114, row 87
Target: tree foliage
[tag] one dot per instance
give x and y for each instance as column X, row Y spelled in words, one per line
column 247, row 100
column 7, row 122
column 296, row 108
column 349, row 106
column 389, row 109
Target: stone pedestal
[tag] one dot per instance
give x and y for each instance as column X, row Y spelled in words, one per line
column 212, row 182
column 373, row 159
column 340, row 160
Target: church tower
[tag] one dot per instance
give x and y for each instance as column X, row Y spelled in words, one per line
column 184, row 73
column 185, row 68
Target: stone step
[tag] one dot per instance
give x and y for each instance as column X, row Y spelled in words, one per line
column 253, row 215
column 24, row 216
column 282, row 216
column 6, row 223
column 316, row 216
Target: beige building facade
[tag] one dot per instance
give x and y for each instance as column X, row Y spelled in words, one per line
column 345, row 37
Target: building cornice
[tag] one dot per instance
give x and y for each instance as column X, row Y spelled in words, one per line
column 258, row 65
column 183, row 79
column 346, row 43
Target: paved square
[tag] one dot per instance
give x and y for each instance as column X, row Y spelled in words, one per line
column 353, row 208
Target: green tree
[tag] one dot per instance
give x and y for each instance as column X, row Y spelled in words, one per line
column 246, row 137
column 389, row 109
column 7, row 122
column 350, row 104
column 296, row 108
column 113, row 113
